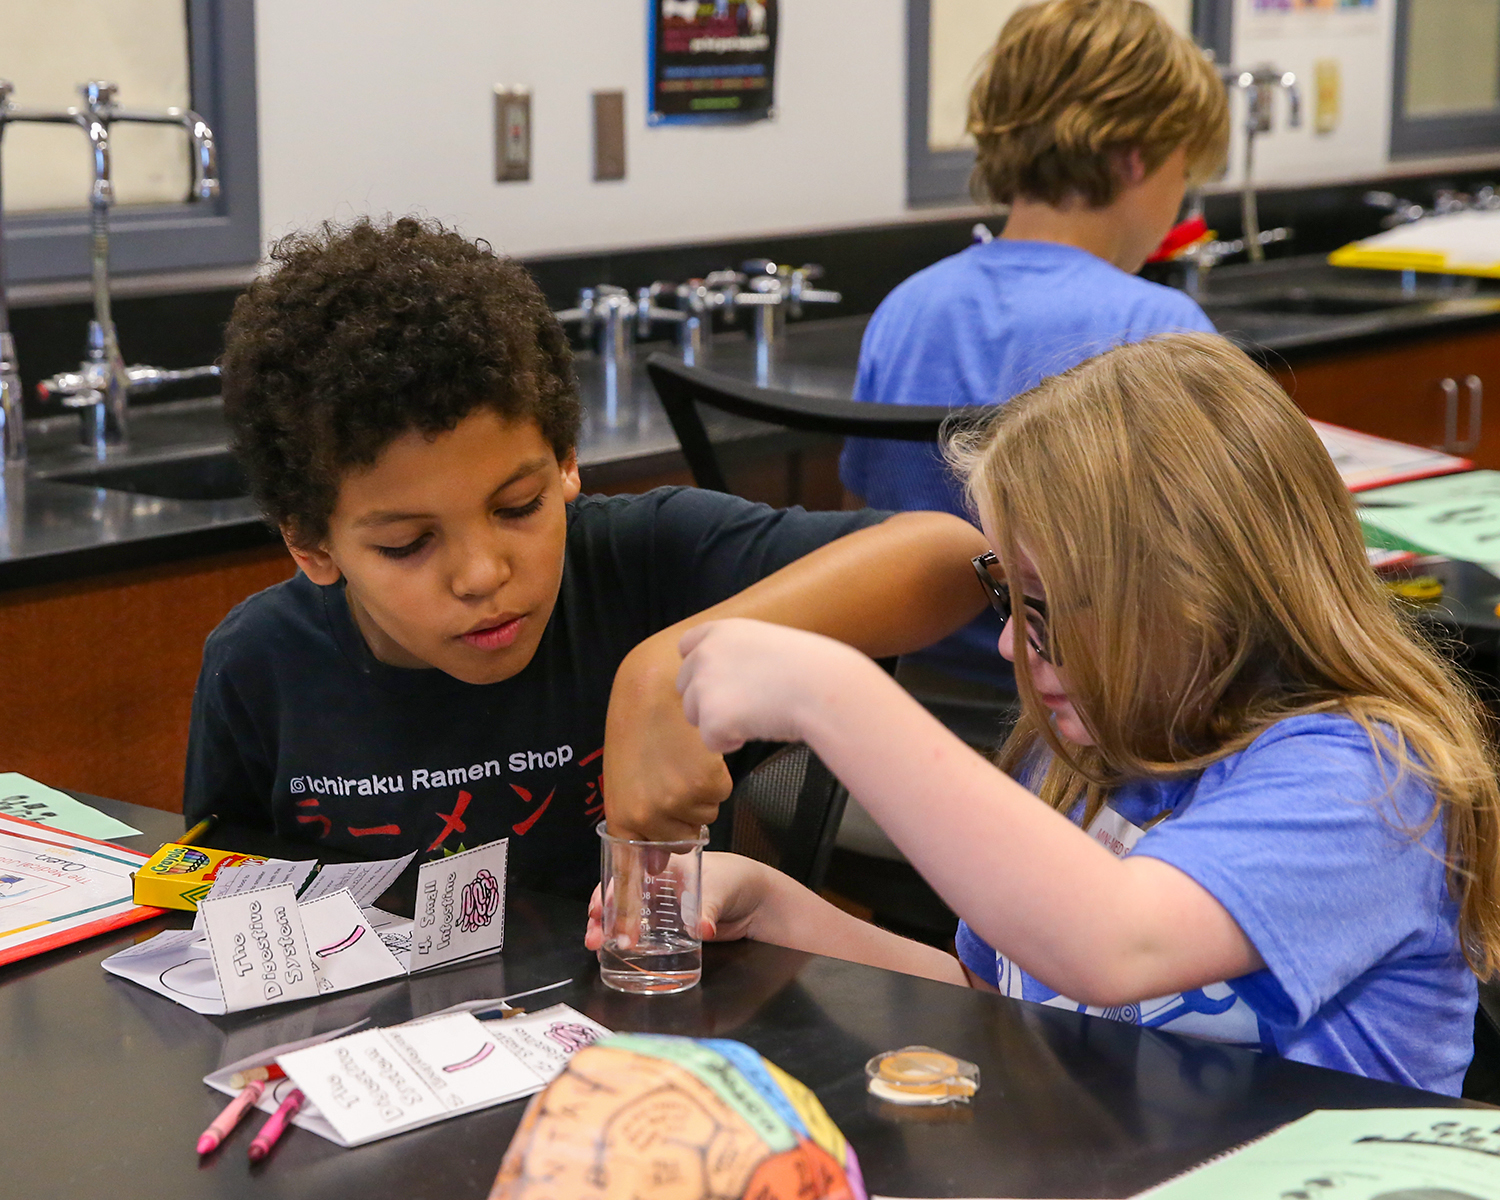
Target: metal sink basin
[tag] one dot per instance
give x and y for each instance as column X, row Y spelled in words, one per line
column 1322, row 301
column 215, row 476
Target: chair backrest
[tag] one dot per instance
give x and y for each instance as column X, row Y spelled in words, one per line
column 786, row 812
column 682, row 388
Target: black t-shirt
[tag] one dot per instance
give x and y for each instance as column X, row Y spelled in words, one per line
column 297, row 728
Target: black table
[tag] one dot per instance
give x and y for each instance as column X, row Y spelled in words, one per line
column 102, row 1094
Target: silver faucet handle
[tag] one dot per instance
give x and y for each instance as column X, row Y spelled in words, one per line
column 798, row 293
column 7, row 90
column 148, row 379
column 582, row 314
column 1293, row 92
column 648, row 310
column 99, row 94
column 205, row 156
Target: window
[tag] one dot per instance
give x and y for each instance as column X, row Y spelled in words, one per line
column 1446, row 93
column 945, row 42
column 149, row 234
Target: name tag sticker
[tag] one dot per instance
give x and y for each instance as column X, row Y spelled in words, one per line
column 460, row 906
column 259, row 948
column 1114, row 832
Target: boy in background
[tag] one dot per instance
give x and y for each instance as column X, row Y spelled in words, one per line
column 470, row 650
column 1092, row 117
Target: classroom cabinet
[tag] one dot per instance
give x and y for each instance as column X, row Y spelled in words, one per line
column 1441, row 391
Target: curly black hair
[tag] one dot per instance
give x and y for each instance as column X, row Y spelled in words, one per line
column 366, row 332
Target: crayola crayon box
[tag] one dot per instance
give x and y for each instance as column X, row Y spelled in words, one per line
column 179, row 876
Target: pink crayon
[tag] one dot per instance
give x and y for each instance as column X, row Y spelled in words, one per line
column 272, row 1130
column 225, row 1122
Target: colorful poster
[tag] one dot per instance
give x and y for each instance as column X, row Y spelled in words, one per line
column 1301, row 5
column 713, row 60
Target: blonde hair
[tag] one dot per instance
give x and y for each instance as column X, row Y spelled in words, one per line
column 1071, row 85
column 1206, row 577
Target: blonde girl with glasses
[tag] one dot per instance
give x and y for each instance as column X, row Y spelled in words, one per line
column 1246, row 799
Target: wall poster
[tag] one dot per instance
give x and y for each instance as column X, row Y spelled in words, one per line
column 711, row 61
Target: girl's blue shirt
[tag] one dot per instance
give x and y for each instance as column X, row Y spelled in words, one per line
column 1328, row 857
column 980, row 327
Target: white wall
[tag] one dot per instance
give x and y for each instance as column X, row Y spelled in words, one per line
column 385, row 106
column 375, row 106
column 1361, row 42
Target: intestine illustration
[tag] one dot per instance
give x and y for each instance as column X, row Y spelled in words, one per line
column 480, row 901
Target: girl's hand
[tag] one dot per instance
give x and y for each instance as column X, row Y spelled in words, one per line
column 744, row 681
column 734, row 888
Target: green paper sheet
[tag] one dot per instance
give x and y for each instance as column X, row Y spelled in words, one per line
column 1456, row 515
column 32, row 801
column 1361, row 1154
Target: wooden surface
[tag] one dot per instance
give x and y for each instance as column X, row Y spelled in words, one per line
column 97, row 675
column 1396, row 392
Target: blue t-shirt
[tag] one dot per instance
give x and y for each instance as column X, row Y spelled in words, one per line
column 978, row 328
column 1305, row 838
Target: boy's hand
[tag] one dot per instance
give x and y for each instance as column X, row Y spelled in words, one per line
column 661, row 783
column 745, row 681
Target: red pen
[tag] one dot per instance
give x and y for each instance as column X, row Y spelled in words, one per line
column 272, row 1130
column 225, row 1122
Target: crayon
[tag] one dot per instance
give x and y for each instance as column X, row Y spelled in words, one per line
column 225, row 1122
column 265, row 1074
column 270, row 1133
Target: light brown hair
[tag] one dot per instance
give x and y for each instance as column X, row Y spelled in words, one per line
column 1072, row 85
column 1206, row 577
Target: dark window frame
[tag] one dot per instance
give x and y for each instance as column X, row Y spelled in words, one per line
column 1424, row 137
column 52, row 246
column 941, row 176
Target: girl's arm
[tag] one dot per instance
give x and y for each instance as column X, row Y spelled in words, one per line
column 743, row 898
column 1099, row 929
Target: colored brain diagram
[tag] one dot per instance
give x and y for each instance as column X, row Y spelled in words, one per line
column 680, row 1119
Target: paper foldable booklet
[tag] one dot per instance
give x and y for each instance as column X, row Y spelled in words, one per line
column 368, row 1084
column 266, row 934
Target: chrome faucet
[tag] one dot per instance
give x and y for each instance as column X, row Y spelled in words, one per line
column 101, row 387
column 776, row 291
column 604, row 313
column 12, row 412
column 1260, row 84
column 697, row 301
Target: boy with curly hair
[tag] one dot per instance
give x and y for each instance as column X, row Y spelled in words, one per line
column 1091, row 118
column 470, row 649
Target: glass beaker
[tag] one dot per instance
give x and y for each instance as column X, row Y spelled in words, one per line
column 650, row 894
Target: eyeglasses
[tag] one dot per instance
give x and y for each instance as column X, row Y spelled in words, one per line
column 999, row 593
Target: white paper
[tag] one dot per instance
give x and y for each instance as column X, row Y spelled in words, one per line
column 51, row 881
column 346, row 950
column 382, row 1081
column 174, row 964
column 251, row 876
column 460, row 906
column 546, row 1039
column 365, row 880
column 310, row 1117
column 465, row 914
column 259, row 948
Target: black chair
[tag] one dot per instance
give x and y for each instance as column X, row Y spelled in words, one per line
column 970, row 711
column 1483, row 1079
column 683, row 388
column 784, row 812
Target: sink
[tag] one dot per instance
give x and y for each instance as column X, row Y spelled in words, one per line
column 215, row 476
column 1322, row 302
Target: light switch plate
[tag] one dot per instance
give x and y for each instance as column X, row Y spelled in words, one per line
column 512, row 134
column 609, row 136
